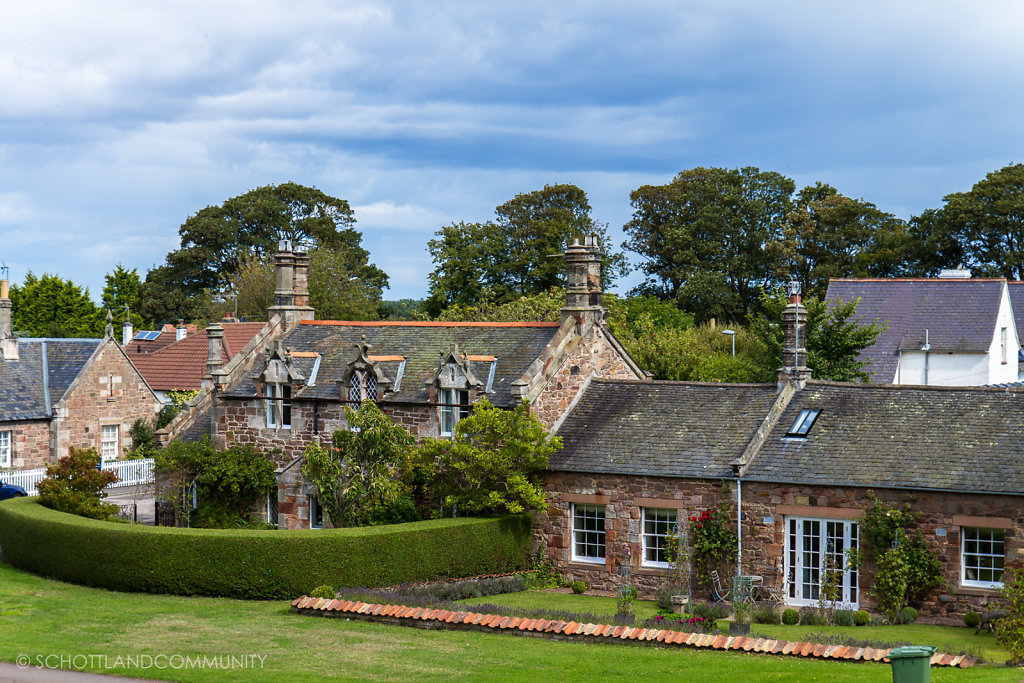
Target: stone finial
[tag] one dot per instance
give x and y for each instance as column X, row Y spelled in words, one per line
column 108, row 331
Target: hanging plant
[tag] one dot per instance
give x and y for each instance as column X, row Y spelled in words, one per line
column 714, row 541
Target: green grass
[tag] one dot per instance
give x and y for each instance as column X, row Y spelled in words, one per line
column 946, row 638
column 39, row 617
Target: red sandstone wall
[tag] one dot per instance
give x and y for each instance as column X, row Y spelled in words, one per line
column 30, row 443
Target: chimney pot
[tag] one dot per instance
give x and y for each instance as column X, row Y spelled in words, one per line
column 180, row 331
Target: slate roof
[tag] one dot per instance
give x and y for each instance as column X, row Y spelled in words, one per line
column 1016, row 290
column 671, row 429
column 945, row 438
column 22, row 387
column 959, row 314
column 182, row 364
column 514, row 345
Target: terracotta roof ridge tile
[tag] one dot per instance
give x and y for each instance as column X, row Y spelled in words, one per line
column 423, row 323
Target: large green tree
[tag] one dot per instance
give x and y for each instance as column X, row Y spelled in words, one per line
column 122, row 294
column 215, row 241
column 50, row 306
column 518, row 253
column 982, row 228
column 703, row 236
column 829, row 235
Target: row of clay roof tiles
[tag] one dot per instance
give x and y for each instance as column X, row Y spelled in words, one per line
column 329, row 607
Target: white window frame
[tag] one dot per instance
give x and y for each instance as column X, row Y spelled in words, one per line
column 979, row 555
column 452, row 409
column 804, row 555
column 316, row 513
column 110, row 448
column 279, row 405
column 6, row 448
column 664, row 522
column 1003, row 345
column 585, row 537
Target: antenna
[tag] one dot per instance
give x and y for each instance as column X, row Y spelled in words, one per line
column 4, row 270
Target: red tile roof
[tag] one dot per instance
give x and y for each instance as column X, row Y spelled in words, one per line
column 182, row 365
column 420, row 323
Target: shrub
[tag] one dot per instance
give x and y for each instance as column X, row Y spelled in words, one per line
column 810, row 616
column 1010, row 629
column 323, row 592
column 790, row 617
column 972, row 619
column 579, row 587
column 861, row 618
column 254, row 564
column 843, row 617
column 712, row 610
column 907, row 615
column 766, row 614
column 75, row 485
column 665, row 602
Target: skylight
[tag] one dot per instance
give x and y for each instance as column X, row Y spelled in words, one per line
column 804, row 422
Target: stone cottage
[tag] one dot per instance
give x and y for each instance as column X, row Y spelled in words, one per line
column 58, row 393
column 424, row 375
column 795, row 461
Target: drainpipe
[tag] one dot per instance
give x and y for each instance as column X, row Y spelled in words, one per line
column 926, row 348
column 739, row 526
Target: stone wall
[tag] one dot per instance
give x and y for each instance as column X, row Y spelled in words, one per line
column 765, row 510
column 109, row 391
column 595, row 355
column 30, row 443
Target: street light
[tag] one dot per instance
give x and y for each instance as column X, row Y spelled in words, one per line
column 732, row 333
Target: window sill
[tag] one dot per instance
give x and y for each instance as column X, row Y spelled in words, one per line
column 652, row 571
column 589, row 562
column 977, row 590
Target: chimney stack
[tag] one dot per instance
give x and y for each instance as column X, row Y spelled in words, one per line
column 215, row 347
column 583, row 296
column 127, row 332
column 794, row 346
column 8, row 342
column 300, row 280
column 291, row 285
column 180, row 332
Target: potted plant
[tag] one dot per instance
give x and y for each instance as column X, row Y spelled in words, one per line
column 740, row 625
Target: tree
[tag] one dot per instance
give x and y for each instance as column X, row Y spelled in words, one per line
column 703, row 237
column 493, row 462
column 514, row 255
column 828, row 235
column 215, row 241
column 357, row 479
column 982, row 228
column 75, row 483
column 123, row 289
column 49, row 306
column 834, row 337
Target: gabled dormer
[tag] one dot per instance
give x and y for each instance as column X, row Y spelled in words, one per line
column 454, row 384
column 279, row 376
column 363, row 379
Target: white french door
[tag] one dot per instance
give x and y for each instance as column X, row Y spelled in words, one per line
column 812, row 546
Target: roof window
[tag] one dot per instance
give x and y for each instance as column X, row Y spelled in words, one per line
column 804, row 422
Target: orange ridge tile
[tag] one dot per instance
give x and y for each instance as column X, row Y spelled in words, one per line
column 819, row 649
column 296, row 601
column 748, row 644
column 968, row 661
column 739, row 643
column 806, row 649
column 946, row 660
column 636, row 633
column 720, row 642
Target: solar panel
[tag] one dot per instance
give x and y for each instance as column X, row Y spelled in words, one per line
column 147, row 335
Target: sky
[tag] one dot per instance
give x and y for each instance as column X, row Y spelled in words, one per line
column 120, row 119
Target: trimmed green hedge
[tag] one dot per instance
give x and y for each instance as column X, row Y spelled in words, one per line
column 254, row 564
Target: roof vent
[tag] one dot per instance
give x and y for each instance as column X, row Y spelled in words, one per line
column 955, row 274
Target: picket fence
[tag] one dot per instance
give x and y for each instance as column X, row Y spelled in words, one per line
column 129, row 473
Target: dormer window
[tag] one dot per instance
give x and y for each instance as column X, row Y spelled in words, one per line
column 804, row 422
column 454, row 407
column 279, row 405
column 362, row 386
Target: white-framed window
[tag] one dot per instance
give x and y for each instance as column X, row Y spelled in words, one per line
column 803, row 423
column 109, row 442
column 812, row 546
column 658, row 525
column 454, row 407
column 982, row 552
column 279, row 405
column 1002, row 343
column 588, row 533
column 316, row 513
column 6, row 448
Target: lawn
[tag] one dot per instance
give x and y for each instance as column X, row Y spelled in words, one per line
column 946, row 638
column 41, row 618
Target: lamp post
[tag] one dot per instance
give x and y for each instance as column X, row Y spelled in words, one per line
column 732, row 333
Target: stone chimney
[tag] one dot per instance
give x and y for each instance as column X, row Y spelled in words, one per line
column 291, row 285
column 794, row 346
column 583, row 296
column 127, row 332
column 8, row 342
column 180, row 331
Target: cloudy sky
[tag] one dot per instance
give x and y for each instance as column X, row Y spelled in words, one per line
column 120, row 119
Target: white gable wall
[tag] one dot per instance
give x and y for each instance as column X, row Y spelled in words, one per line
column 1000, row 371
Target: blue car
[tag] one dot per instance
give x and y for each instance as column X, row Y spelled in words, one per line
column 11, row 491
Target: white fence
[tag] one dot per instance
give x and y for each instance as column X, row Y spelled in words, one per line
column 129, row 473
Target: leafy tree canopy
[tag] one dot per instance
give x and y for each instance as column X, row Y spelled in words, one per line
column 123, row 291
column 50, row 306
column 703, row 237
column 215, row 241
column 516, row 254
column 492, row 464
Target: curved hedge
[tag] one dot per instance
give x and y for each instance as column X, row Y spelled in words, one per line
column 254, row 564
